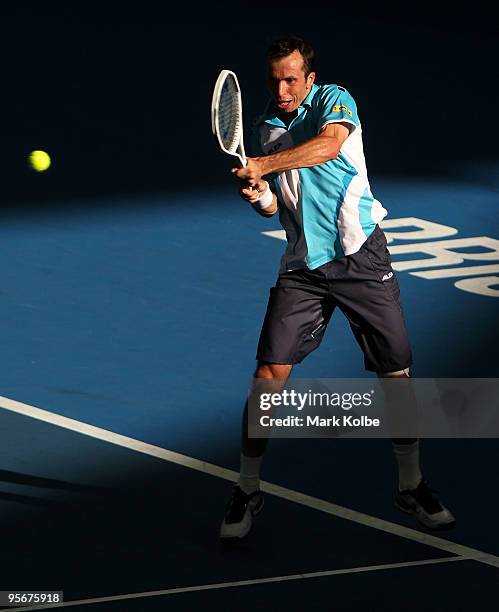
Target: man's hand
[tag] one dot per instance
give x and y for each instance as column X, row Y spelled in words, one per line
column 255, row 190
column 252, row 173
column 252, row 192
column 252, row 184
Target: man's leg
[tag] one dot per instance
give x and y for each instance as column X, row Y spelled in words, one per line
column 369, row 295
column 252, row 449
column 247, row 501
column 413, row 495
column 297, row 315
column 400, row 397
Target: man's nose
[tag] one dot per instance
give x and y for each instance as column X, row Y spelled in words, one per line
column 282, row 88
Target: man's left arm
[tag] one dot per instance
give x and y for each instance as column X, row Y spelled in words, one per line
column 315, row 151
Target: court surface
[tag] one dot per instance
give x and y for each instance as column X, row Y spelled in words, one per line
column 129, row 330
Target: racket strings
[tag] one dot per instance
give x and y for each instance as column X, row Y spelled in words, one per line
column 229, row 115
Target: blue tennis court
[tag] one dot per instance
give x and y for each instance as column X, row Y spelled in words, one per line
column 129, row 337
column 135, row 281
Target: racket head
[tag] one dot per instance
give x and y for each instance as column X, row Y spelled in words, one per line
column 227, row 115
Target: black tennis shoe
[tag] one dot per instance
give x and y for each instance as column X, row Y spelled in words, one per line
column 425, row 506
column 239, row 513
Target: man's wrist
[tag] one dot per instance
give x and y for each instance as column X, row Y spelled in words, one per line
column 265, row 199
column 264, row 165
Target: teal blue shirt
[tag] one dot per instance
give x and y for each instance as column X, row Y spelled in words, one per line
column 327, row 211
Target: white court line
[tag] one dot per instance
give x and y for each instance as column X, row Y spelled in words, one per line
column 239, row 583
column 220, row 472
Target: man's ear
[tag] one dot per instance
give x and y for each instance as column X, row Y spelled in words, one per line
column 310, row 80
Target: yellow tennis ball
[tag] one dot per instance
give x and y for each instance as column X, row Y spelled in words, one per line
column 39, row 160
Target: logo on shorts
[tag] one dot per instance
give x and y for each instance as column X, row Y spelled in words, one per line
column 387, row 276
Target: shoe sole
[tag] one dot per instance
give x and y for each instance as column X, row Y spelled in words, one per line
column 441, row 527
column 234, row 539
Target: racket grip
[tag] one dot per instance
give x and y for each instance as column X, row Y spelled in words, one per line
column 244, row 163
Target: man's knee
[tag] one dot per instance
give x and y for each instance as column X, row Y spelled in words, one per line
column 276, row 371
column 398, row 374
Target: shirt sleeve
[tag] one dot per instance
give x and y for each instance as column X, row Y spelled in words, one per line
column 336, row 105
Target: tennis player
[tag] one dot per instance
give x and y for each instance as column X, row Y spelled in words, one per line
column 308, row 164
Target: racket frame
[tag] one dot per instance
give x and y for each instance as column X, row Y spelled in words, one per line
column 217, row 91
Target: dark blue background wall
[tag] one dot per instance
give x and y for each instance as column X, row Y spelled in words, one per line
column 119, row 94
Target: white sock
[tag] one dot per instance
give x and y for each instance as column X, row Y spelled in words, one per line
column 249, row 475
column 408, row 464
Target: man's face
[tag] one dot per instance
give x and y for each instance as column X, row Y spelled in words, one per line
column 287, row 82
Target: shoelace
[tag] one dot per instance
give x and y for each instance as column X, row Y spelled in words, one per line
column 424, row 494
column 238, row 502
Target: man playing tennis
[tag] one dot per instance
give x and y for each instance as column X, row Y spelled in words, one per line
column 308, row 144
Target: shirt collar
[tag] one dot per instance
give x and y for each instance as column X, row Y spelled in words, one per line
column 269, row 114
column 308, row 100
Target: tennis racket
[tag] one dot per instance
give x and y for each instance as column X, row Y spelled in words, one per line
column 227, row 115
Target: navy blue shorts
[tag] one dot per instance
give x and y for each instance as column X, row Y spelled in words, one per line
column 365, row 289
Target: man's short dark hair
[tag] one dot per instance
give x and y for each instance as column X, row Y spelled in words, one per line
column 282, row 47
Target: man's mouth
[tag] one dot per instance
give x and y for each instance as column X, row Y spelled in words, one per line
column 284, row 103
